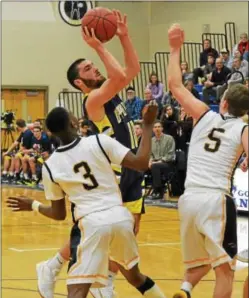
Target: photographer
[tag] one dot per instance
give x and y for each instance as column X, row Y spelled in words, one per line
column 12, row 159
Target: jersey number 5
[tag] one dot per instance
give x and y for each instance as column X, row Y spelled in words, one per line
column 92, row 180
column 216, row 142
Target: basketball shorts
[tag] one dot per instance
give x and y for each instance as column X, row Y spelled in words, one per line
column 208, row 225
column 94, row 239
column 131, row 190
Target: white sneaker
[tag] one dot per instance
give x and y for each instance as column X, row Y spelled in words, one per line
column 107, row 292
column 46, row 280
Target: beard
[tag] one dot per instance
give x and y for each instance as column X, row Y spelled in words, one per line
column 94, row 84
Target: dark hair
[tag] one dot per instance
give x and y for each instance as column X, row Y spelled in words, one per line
column 206, row 39
column 57, row 120
column 154, row 74
column 37, row 127
column 21, row 123
column 72, row 72
column 130, row 88
column 84, row 123
column 211, row 55
column 158, row 121
column 237, row 99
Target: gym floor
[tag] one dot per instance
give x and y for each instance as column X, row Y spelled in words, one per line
column 28, row 238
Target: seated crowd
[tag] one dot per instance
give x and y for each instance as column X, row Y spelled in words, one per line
column 24, row 158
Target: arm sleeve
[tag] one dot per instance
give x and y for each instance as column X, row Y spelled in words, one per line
column 115, row 151
column 19, row 139
column 160, row 92
column 170, row 150
column 53, row 191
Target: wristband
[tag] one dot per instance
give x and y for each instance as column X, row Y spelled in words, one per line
column 35, row 206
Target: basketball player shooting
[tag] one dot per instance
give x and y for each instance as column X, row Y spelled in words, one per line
column 207, row 210
column 105, row 109
column 103, row 225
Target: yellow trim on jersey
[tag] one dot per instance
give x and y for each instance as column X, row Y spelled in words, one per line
column 103, row 124
column 116, row 168
column 7, row 157
column 135, row 206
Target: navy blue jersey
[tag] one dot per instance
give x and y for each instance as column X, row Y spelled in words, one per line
column 116, row 123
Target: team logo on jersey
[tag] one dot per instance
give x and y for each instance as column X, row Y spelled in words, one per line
column 72, row 12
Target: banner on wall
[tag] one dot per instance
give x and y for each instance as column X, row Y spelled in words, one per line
column 240, row 190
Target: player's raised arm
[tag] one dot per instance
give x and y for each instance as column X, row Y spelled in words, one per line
column 116, row 77
column 192, row 105
column 132, row 66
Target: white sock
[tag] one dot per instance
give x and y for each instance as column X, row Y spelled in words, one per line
column 11, row 174
column 25, row 175
column 186, row 286
column 5, row 172
column 111, row 278
column 34, row 176
column 56, row 263
column 154, row 292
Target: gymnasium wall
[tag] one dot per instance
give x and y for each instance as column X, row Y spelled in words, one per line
column 38, row 46
column 192, row 16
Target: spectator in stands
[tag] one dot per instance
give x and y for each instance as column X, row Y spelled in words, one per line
column 169, row 120
column 205, row 71
column 162, row 158
column 186, row 73
column 138, row 130
column 148, row 96
column 39, row 152
column 133, row 104
column 236, row 76
column 244, row 63
column 189, row 84
column 207, row 49
column 85, row 129
column 156, row 87
column 168, row 99
column 22, row 142
column 227, row 59
column 218, row 79
column 242, row 46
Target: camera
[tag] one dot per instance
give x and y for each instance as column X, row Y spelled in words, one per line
column 8, row 118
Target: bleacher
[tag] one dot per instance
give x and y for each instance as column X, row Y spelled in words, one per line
column 190, row 52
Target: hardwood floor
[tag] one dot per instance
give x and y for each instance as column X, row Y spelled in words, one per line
column 28, row 238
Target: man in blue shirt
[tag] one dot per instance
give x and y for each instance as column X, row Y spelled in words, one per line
column 133, row 104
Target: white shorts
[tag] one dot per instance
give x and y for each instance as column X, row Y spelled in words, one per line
column 208, row 229
column 98, row 237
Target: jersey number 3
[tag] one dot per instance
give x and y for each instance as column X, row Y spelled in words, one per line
column 92, row 180
column 215, row 143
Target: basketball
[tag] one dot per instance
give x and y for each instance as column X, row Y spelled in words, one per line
column 103, row 21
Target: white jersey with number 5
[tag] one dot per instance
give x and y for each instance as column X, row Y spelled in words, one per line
column 82, row 170
column 214, row 150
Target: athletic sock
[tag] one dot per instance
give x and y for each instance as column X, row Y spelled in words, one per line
column 56, row 263
column 111, row 278
column 5, row 172
column 26, row 177
column 150, row 290
column 187, row 287
column 11, row 174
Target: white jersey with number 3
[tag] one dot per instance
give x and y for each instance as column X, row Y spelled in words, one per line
column 215, row 148
column 82, row 170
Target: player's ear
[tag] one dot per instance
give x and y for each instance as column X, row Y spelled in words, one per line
column 78, row 83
